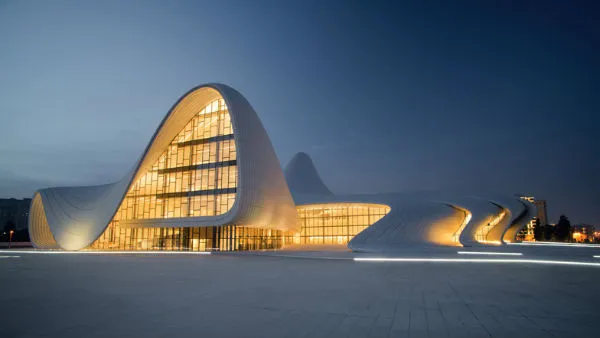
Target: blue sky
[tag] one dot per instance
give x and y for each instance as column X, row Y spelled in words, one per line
column 385, row 96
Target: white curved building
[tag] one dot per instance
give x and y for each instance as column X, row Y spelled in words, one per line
column 209, row 179
column 388, row 221
column 209, row 166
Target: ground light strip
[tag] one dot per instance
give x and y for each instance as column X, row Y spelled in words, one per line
column 474, row 260
column 10, row 256
column 577, row 245
column 490, row 253
column 60, row 252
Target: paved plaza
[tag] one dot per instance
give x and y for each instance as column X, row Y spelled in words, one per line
column 300, row 295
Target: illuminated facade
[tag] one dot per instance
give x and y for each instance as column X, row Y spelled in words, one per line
column 209, row 180
column 388, row 221
column 336, row 223
column 215, row 238
column 195, row 175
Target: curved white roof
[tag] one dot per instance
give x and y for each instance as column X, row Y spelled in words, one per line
column 73, row 217
column 421, row 218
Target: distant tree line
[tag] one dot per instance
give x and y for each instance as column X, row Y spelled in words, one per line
column 561, row 232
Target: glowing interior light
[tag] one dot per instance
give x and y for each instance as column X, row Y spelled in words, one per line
column 490, row 242
column 490, row 253
column 472, row 260
column 456, row 236
column 484, row 230
column 85, row 252
column 336, row 223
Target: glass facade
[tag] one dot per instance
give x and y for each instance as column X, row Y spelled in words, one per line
column 195, row 176
column 336, row 223
column 213, row 238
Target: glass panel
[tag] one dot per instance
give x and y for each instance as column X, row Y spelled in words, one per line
column 223, row 238
column 336, row 223
column 196, row 175
column 175, row 186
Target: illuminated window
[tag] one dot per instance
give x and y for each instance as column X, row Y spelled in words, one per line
column 336, row 223
column 196, row 175
column 222, row 238
column 198, row 168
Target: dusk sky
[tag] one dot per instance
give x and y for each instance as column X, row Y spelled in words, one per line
column 495, row 96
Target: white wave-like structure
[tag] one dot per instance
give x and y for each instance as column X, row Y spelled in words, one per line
column 418, row 218
column 73, row 217
column 249, row 190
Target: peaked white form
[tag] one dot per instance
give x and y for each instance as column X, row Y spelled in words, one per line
column 302, row 176
column 72, row 218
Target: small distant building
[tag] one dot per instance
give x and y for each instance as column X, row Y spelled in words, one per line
column 542, row 214
column 583, row 232
column 15, row 211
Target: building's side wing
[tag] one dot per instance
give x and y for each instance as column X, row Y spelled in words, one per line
column 513, row 208
column 411, row 219
column 444, row 219
column 485, row 216
column 410, row 223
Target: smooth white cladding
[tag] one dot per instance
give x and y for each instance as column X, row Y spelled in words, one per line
column 302, row 176
column 432, row 219
column 75, row 216
column 418, row 218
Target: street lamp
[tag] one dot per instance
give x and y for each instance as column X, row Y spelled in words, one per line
column 10, row 233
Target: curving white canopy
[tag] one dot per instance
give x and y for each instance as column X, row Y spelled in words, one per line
column 73, row 217
column 420, row 218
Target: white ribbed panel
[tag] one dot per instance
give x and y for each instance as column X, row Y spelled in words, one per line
column 39, row 232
